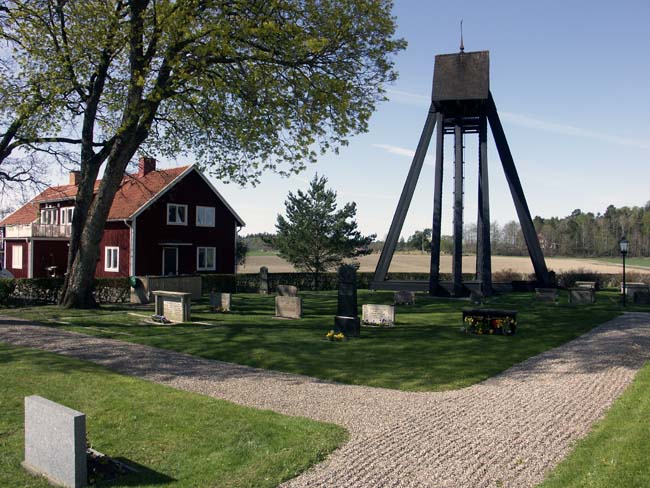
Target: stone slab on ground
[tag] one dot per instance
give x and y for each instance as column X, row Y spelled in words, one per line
column 55, row 442
column 507, row 431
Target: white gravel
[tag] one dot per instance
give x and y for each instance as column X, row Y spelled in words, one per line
column 508, row 431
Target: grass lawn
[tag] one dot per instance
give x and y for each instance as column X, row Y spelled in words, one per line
column 643, row 262
column 425, row 351
column 176, row 438
column 615, row 453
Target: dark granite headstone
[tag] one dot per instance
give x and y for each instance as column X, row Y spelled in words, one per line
column 264, row 280
column 347, row 318
column 641, row 298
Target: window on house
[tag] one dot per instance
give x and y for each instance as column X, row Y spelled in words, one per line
column 112, row 259
column 17, row 257
column 205, row 259
column 205, row 216
column 176, row 214
column 66, row 215
column 49, row 215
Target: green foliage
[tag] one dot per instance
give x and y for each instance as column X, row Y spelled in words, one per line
column 48, row 290
column 425, row 351
column 420, row 241
column 241, row 250
column 7, row 288
column 223, row 283
column 314, row 236
column 174, row 438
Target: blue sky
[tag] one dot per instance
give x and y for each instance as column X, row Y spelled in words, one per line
column 571, row 81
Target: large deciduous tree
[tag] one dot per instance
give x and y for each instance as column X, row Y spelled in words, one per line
column 242, row 85
column 315, row 236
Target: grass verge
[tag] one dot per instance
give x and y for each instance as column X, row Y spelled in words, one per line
column 641, row 262
column 615, row 453
column 176, row 438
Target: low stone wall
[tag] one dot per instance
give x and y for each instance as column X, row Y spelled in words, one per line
column 142, row 293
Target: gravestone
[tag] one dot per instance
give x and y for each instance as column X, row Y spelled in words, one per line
column 220, row 301
column 347, row 315
column 582, row 296
column 288, row 307
column 378, row 314
column 173, row 305
column 404, row 298
column 631, row 289
column 264, row 280
column 546, row 294
column 6, row 274
column 586, row 284
column 287, row 290
column 642, row 298
column 55, row 442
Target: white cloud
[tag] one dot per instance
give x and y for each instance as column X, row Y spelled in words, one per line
column 403, row 151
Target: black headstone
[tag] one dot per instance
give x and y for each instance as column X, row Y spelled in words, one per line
column 347, row 318
column 264, row 280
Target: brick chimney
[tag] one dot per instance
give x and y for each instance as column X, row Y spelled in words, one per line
column 146, row 165
column 75, row 177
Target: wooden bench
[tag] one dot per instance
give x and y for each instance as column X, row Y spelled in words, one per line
column 490, row 321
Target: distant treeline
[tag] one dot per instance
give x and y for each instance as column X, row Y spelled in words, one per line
column 578, row 235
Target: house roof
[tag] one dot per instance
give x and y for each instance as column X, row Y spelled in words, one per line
column 134, row 194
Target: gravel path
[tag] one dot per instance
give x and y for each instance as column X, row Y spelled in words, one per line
column 505, row 432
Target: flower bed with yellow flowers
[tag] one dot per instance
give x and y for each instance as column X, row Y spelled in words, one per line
column 335, row 336
column 484, row 322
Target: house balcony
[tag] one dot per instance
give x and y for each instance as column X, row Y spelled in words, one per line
column 37, row 230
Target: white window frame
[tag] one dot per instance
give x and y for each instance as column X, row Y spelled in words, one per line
column 205, row 210
column 214, row 258
column 16, row 264
column 65, row 212
column 176, row 205
column 53, row 212
column 108, row 250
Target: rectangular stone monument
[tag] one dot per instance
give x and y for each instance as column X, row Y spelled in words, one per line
column 287, row 290
column 631, row 289
column 642, row 298
column 546, row 294
column 404, row 298
column 173, row 305
column 288, row 307
column 220, row 302
column 347, row 315
column 378, row 314
column 55, row 442
column 586, row 284
column 582, row 296
column 264, row 280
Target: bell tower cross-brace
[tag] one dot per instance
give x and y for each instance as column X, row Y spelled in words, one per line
column 461, row 104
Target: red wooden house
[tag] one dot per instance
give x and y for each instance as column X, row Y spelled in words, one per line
column 162, row 222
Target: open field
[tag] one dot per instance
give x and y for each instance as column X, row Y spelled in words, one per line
column 403, row 262
column 424, row 352
column 633, row 262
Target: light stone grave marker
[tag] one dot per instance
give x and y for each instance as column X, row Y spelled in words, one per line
column 582, row 296
column 220, row 301
column 55, row 442
column 288, row 307
column 546, row 294
column 287, row 290
column 378, row 314
column 586, row 284
column 404, row 298
column 173, row 305
column 264, row 280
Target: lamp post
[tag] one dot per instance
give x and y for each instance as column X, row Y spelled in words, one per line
column 623, row 245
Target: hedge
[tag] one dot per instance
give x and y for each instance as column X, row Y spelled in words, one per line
column 48, row 290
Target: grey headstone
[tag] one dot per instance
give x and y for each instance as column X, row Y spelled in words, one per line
column 546, row 294
column 288, row 307
column 264, row 280
column 6, row 274
column 287, row 290
column 582, row 296
column 631, row 289
column 378, row 314
column 347, row 316
column 220, row 301
column 404, row 298
column 55, row 442
column 642, row 298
